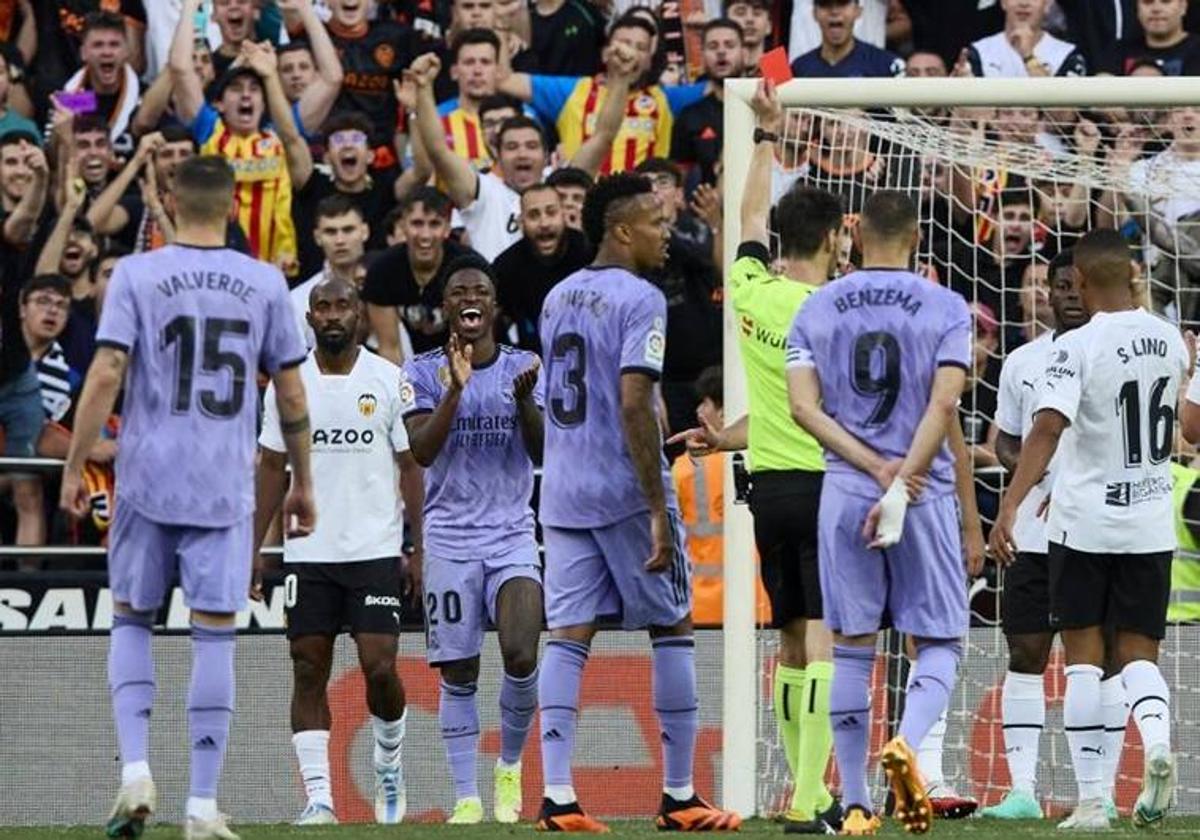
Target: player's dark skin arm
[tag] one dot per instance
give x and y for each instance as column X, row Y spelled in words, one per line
column 644, row 441
column 529, row 416
column 1008, row 450
column 427, row 433
column 1039, row 447
column 412, row 492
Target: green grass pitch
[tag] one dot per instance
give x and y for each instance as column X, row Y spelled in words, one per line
column 972, row 829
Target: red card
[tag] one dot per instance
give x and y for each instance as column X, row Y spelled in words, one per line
column 774, row 66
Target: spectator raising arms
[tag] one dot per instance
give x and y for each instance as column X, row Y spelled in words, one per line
column 265, row 161
column 572, row 105
column 24, row 184
column 310, row 70
column 107, row 73
column 490, row 203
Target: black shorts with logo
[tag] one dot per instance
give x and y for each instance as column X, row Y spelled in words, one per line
column 1125, row 591
column 324, row 599
column 784, row 504
column 1025, row 598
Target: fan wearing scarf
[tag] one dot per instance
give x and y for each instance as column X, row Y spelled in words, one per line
column 104, row 51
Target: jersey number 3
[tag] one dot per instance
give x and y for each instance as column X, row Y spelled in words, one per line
column 568, row 399
column 181, row 332
column 1160, row 418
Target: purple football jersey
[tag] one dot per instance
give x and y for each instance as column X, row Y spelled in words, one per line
column 876, row 338
column 597, row 324
column 478, row 489
column 198, row 324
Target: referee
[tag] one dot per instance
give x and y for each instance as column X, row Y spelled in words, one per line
column 786, row 462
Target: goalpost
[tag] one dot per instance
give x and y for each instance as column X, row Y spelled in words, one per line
column 926, row 136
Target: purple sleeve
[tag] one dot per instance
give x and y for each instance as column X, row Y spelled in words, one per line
column 643, row 334
column 119, row 316
column 418, row 395
column 954, row 347
column 799, row 352
column 282, row 346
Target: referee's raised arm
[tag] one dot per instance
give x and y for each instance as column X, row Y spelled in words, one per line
column 756, row 195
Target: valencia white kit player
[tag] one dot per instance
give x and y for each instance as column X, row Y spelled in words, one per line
column 1115, row 382
column 1025, row 598
column 346, row 574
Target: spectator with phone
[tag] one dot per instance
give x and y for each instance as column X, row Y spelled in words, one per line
column 106, row 85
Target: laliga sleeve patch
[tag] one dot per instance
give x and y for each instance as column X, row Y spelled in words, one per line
column 656, row 344
column 408, row 394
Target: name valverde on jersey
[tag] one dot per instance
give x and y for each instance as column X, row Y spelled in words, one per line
column 599, row 323
column 478, row 489
column 357, row 430
column 1114, row 379
column 198, row 323
column 876, row 338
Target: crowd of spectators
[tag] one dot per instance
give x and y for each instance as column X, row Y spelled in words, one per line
column 377, row 140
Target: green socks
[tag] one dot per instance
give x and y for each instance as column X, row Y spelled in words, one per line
column 810, row 796
column 789, row 691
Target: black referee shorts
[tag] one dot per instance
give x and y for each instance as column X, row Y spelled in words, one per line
column 1125, row 591
column 784, row 504
column 324, row 599
column 1025, row 598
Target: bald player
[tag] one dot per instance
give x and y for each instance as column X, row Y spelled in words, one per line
column 347, row 572
column 1115, row 382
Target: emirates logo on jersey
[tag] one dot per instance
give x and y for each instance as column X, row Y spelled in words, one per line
column 367, row 403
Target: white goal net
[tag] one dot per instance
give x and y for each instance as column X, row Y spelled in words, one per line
column 1000, row 191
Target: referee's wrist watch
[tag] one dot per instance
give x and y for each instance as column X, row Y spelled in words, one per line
column 761, row 135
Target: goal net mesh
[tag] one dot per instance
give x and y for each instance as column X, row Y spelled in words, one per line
column 1000, row 192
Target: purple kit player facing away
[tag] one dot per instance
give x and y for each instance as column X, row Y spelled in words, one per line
column 876, row 363
column 192, row 322
column 474, row 419
column 614, row 541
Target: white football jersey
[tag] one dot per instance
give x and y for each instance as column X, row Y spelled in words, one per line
column 356, row 432
column 1116, row 379
column 493, row 219
column 1016, row 402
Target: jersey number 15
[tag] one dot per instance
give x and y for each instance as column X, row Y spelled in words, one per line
column 181, row 332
